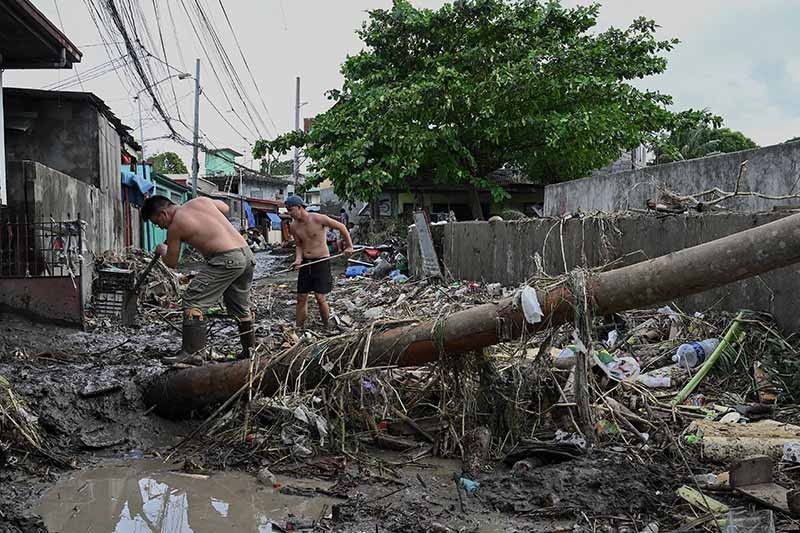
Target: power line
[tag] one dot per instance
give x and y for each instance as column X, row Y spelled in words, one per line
column 225, row 119
column 61, row 22
column 88, row 75
column 236, row 83
column 247, row 65
column 164, row 51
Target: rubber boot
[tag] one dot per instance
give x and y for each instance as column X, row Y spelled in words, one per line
column 195, row 337
column 247, row 334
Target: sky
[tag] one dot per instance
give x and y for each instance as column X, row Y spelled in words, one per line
column 738, row 58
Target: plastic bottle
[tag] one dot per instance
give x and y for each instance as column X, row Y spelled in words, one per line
column 694, row 354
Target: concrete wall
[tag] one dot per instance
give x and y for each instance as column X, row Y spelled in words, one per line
column 262, row 189
column 51, row 299
column 41, row 192
column 69, row 135
column 504, row 252
column 774, row 170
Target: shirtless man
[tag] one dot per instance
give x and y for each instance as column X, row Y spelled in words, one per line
column 227, row 273
column 308, row 230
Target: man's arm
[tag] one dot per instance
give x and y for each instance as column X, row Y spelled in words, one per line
column 335, row 224
column 298, row 248
column 222, row 206
column 173, row 249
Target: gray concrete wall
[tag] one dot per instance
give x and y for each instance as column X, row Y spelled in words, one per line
column 504, row 252
column 773, row 170
column 42, row 192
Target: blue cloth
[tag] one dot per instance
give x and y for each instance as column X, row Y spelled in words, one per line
column 137, row 185
column 251, row 219
column 355, row 270
column 275, row 219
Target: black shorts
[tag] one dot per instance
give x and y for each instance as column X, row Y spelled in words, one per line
column 315, row 278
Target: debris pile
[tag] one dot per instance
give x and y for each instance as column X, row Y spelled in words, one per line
column 661, row 383
column 162, row 287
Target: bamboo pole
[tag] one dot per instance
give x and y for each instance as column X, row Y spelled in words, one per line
column 727, row 340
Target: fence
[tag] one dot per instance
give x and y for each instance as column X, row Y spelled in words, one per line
column 46, row 248
column 41, row 267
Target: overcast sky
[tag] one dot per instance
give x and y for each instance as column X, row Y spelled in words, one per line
column 737, row 57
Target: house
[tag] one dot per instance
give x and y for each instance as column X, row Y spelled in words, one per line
column 231, row 177
column 64, row 151
column 440, row 199
column 221, row 162
column 28, row 40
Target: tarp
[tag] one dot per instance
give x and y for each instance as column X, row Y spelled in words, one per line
column 275, row 219
column 137, row 186
column 251, row 219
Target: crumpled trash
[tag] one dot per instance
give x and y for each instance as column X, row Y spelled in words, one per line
column 313, row 420
column 791, row 452
column 469, row 486
column 619, row 369
column 494, row 289
column 566, row 437
column 397, row 277
column 266, row 477
column 530, row 305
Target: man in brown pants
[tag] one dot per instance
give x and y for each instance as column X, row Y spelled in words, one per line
column 227, row 273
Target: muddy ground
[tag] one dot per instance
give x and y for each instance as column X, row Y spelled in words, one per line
column 85, row 387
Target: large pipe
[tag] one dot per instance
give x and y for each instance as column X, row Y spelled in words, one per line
column 689, row 271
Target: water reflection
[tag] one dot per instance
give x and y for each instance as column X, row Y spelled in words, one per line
column 145, row 496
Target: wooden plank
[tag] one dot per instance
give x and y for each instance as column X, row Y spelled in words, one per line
column 430, row 261
column 754, row 470
column 701, row 501
column 767, row 494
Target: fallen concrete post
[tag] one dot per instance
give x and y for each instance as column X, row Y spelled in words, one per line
column 696, row 269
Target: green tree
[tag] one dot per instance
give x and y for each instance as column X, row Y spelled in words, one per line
column 453, row 94
column 275, row 167
column 168, row 163
column 692, row 134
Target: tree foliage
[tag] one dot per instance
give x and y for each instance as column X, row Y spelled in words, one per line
column 692, row 134
column 168, row 163
column 276, row 167
column 454, row 94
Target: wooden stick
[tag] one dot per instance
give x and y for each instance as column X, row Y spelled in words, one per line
column 285, row 270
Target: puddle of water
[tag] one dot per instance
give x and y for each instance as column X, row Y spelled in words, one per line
column 147, row 496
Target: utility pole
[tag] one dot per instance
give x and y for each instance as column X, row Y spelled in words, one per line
column 196, row 140
column 141, row 130
column 296, row 168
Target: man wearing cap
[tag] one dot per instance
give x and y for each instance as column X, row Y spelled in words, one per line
column 309, row 232
column 227, row 272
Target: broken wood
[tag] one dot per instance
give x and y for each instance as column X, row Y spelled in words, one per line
column 700, row 501
column 689, row 271
column 753, row 478
column 731, row 442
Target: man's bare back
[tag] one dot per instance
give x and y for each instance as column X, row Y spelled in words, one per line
column 310, row 235
column 201, row 223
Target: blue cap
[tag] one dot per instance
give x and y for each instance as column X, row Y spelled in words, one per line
column 294, row 201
